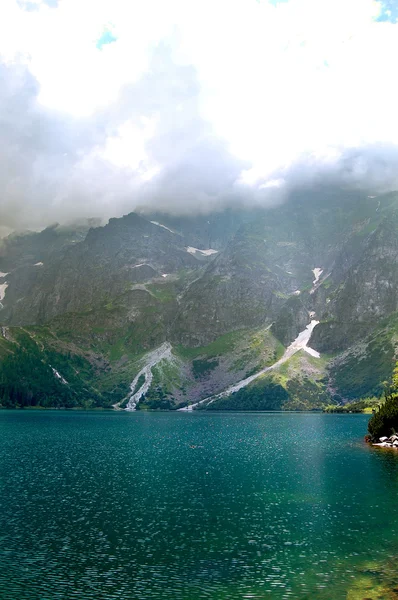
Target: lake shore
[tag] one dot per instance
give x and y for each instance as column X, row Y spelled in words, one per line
column 387, row 442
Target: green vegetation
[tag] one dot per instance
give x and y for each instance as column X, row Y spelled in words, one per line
column 156, row 399
column 366, row 405
column 298, row 384
column 259, row 351
column 281, row 295
column 260, row 395
column 364, row 371
column 306, row 394
column 27, row 378
column 222, row 345
column 304, row 378
column 326, row 283
column 162, row 291
column 384, row 421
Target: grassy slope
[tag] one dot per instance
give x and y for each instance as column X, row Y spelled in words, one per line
column 100, row 370
column 99, row 365
column 99, row 362
column 231, row 357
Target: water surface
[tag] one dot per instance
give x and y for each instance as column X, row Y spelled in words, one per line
column 188, row 506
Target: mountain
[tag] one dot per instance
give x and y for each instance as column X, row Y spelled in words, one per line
column 157, row 311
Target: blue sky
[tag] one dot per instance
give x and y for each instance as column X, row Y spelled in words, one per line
column 389, row 11
column 107, row 37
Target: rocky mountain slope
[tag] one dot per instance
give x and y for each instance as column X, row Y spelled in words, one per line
column 85, row 311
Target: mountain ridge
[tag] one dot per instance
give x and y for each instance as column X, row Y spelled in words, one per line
column 122, row 290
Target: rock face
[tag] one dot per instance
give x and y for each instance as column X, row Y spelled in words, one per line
column 111, row 260
column 246, row 285
column 228, row 309
column 291, row 319
column 364, row 292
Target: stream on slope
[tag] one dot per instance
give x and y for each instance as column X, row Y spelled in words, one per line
column 164, row 353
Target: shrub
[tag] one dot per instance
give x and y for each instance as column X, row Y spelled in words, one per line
column 384, row 421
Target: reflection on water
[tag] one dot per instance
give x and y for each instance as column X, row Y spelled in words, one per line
column 188, row 506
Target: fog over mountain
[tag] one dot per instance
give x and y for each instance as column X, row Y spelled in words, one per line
column 108, row 107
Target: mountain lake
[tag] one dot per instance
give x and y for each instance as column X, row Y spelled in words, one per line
column 185, row 506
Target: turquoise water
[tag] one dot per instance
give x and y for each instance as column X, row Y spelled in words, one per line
column 188, row 506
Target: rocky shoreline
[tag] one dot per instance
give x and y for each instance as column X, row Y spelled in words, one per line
column 387, row 442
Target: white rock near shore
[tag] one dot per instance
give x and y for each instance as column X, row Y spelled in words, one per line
column 387, row 442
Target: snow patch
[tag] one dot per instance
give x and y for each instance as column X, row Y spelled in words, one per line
column 59, row 376
column 164, row 274
column 297, row 293
column 136, row 266
column 39, row 264
column 3, row 274
column 3, row 287
column 312, row 352
column 300, row 343
column 164, row 226
column 207, row 252
column 317, row 273
column 164, row 351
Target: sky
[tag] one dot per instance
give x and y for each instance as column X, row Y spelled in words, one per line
column 189, row 106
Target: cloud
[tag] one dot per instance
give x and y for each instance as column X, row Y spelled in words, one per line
column 109, row 106
column 150, row 148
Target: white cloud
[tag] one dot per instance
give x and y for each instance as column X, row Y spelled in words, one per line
column 300, row 85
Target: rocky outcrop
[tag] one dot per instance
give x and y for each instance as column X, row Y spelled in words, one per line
column 387, row 442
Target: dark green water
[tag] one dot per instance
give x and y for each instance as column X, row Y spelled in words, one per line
column 188, row 506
